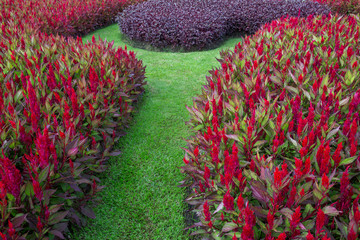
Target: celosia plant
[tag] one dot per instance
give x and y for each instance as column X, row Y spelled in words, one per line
column 276, row 150
column 342, row 6
column 188, row 24
column 62, row 105
column 64, row 17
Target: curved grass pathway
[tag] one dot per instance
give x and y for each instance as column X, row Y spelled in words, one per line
column 142, row 200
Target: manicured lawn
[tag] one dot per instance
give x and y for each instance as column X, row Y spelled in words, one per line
column 142, row 200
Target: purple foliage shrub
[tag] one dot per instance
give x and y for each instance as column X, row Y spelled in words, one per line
column 189, row 25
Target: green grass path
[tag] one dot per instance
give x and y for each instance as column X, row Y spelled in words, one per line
column 142, row 200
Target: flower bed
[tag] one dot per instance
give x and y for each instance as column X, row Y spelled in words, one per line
column 63, row 104
column 342, row 7
column 276, row 151
column 64, row 17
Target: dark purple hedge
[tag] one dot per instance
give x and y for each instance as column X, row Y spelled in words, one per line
column 193, row 24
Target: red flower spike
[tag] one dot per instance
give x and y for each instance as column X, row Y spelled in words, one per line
column 300, row 79
column 240, row 202
column 234, row 237
column 206, row 210
column 353, row 148
column 344, row 182
column 336, row 156
column 302, row 192
column 207, row 106
column 352, row 234
column 201, row 186
column 37, row 190
column 309, row 236
column 325, row 181
column 295, row 219
column 320, row 220
column 270, row 220
column 353, row 130
column 210, row 224
column 325, row 160
column 11, row 229
column 71, row 164
column 222, row 216
column 355, row 64
column 277, row 177
column 282, row 236
column 247, row 232
column 325, row 238
column 206, row 173
column 39, row 225
column 228, row 201
column 196, row 151
column 185, row 160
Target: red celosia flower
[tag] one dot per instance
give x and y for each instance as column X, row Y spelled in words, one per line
column 206, row 173
column 37, row 190
column 355, row 64
column 39, row 225
column 210, row 224
column 247, row 232
column 302, row 192
column 228, row 201
column 196, row 151
column 240, row 202
column 300, row 78
column 336, row 156
column 344, row 182
column 282, row 236
column 207, row 211
column 47, row 213
column 325, row 160
column 295, row 218
column 185, row 160
column 309, row 236
column 325, row 181
column 325, row 238
column 234, row 237
column 352, row 234
column 298, row 167
column 270, row 219
column 307, row 167
column 320, row 220
column 277, row 177
column 291, row 198
column 71, row 164
column 353, row 148
column 11, row 229
column 201, row 186
column 353, row 130
column 207, row 106
column 10, row 177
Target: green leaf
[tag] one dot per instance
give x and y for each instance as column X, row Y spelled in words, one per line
column 331, row 211
column 57, row 217
column 229, row 226
column 347, row 160
column 18, row 95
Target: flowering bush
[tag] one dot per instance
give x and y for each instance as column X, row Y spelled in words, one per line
column 342, row 6
column 64, row 17
column 276, row 150
column 191, row 24
column 62, row 105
